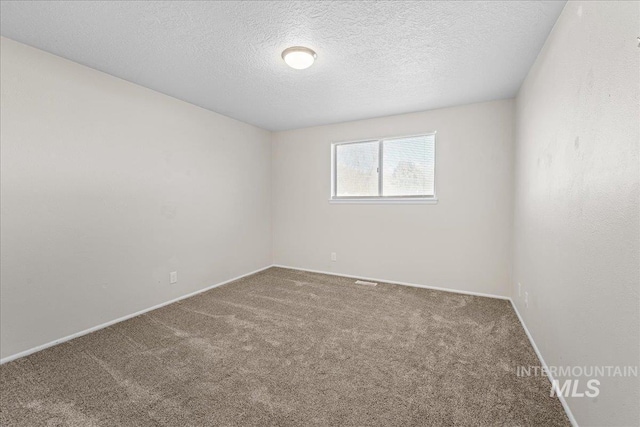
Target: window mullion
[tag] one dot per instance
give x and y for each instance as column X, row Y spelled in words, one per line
column 380, row 153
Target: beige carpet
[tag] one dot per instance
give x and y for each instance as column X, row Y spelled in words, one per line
column 286, row 347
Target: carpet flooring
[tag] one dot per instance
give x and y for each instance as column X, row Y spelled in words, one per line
column 285, row 347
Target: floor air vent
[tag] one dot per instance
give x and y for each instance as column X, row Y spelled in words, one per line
column 362, row 282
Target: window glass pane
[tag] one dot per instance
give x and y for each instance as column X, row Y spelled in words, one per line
column 408, row 166
column 357, row 169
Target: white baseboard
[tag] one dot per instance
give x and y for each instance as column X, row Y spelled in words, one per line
column 138, row 313
column 129, row 316
column 515, row 308
column 565, row 405
column 120, row 319
column 395, row 282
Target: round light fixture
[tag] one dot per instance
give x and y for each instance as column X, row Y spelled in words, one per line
column 299, row 57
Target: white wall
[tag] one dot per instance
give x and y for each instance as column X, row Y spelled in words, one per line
column 463, row 242
column 576, row 204
column 106, row 188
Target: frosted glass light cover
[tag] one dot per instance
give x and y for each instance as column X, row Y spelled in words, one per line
column 299, row 57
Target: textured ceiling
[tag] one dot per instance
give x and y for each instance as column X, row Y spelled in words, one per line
column 374, row 58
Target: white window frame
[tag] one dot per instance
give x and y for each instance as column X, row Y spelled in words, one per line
column 380, row 199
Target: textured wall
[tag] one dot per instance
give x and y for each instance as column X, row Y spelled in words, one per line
column 463, row 242
column 106, row 188
column 576, row 201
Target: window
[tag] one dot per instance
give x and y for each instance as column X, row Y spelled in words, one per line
column 385, row 170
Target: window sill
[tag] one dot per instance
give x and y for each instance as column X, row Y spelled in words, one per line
column 388, row 201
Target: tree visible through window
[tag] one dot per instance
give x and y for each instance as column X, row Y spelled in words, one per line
column 387, row 168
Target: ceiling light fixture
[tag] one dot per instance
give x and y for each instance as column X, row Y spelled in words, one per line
column 299, row 57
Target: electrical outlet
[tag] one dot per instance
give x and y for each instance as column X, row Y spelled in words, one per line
column 526, row 299
column 519, row 290
column 334, row 257
column 173, row 277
